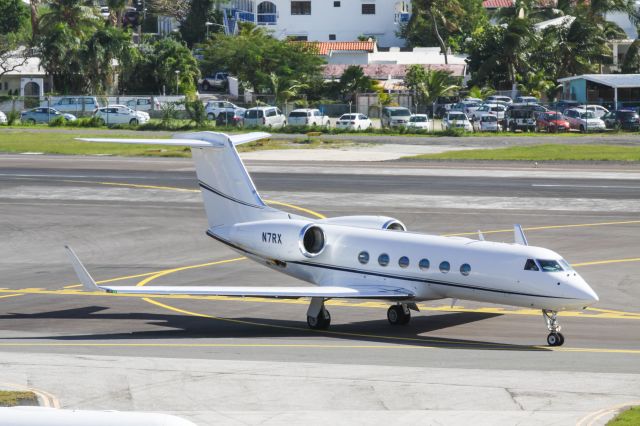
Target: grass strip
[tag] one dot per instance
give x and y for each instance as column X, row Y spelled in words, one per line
column 546, row 152
column 630, row 417
column 14, row 398
column 65, row 143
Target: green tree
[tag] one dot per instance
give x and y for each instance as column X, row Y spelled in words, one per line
column 13, row 16
column 193, row 28
column 153, row 67
column 284, row 93
column 429, row 85
column 481, row 93
column 631, row 64
column 453, row 22
column 353, row 81
column 253, row 55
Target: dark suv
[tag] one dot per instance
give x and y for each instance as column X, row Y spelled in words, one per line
column 622, row 119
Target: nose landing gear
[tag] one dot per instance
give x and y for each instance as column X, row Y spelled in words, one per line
column 555, row 338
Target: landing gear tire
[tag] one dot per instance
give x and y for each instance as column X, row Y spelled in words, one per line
column 555, row 339
column 398, row 315
column 321, row 322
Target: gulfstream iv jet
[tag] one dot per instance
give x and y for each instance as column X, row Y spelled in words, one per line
column 359, row 257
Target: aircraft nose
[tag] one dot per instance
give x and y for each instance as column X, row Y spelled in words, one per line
column 587, row 295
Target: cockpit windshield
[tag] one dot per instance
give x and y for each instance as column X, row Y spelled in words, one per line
column 565, row 265
column 550, row 265
column 531, row 265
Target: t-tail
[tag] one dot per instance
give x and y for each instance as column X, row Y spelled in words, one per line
column 228, row 192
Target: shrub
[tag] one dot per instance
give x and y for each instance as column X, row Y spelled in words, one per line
column 196, row 112
column 12, row 117
column 58, row 122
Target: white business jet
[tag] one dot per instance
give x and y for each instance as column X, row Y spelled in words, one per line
column 359, row 257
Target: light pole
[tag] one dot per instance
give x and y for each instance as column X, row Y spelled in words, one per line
column 208, row 24
column 177, row 81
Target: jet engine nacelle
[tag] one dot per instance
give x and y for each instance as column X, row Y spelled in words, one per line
column 280, row 239
column 370, row 222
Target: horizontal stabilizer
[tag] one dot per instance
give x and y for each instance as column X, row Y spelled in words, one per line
column 248, row 137
column 171, row 142
column 359, row 292
column 194, row 139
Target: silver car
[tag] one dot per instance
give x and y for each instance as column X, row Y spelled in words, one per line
column 44, row 115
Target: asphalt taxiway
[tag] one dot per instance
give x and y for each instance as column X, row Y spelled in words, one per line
column 140, row 221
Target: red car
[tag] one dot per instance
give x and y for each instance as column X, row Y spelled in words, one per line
column 552, row 121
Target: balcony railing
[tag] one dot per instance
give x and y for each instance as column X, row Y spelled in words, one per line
column 402, row 18
column 267, row 18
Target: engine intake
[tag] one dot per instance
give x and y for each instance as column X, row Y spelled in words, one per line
column 312, row 240
column 394, row 225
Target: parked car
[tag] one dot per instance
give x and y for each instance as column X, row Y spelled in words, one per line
column 3, row 118
column 527, row 100
column 456, row 120
column 467, row 107
column 520, row 119
column 143, row 104
column 308, row 117
column 494, row 98
column 394, row 116
column 217, row 81
column 622, row 119
column 213, row 108
column 552, row 121
column 131, row 17
column 230, row 118
column 420, row 121
column 583, row 120
column 353, row 122
column 565, row 104
column 488, row 123
column 267, row 116
column 120, row 114
column 76, row 104
column 598, row 110
column 44, row 115
column 495, row 109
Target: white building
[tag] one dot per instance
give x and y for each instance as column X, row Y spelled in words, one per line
column 322, row 20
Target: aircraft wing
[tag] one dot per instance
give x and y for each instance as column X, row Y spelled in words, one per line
column 351, row 292
column 364, row 292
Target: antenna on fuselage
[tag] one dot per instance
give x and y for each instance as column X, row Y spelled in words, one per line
column 518, row 236
column 480, row 235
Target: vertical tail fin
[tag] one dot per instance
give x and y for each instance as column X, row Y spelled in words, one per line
column 228, row 192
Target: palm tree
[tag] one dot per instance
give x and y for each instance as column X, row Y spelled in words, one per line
column 443, row 14
column 283, row 94
column 429, row 85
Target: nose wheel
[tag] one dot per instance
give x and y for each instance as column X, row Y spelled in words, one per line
column 399, row 314
column 555, row 338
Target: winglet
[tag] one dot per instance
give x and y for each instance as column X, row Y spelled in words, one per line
column 87, row 282
column 518, row 235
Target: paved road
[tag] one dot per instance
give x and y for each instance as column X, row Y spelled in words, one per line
column 472, row 361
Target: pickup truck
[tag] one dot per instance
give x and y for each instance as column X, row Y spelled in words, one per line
column 217, row 81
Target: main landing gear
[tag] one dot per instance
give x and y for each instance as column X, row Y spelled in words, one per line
column 318, row 317
column 555, row 338
column 398, row 314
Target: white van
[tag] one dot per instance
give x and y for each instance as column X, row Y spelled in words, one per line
column 76, row 104
column 267, row 116
column 308, row 117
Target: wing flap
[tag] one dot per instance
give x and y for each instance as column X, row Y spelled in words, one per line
column 356, row 292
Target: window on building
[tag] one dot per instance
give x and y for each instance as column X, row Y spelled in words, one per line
column 6, row 85
column 301, row 8
column 336, row 4
column 332, row 36
column 297, row 37
column 368, row 8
